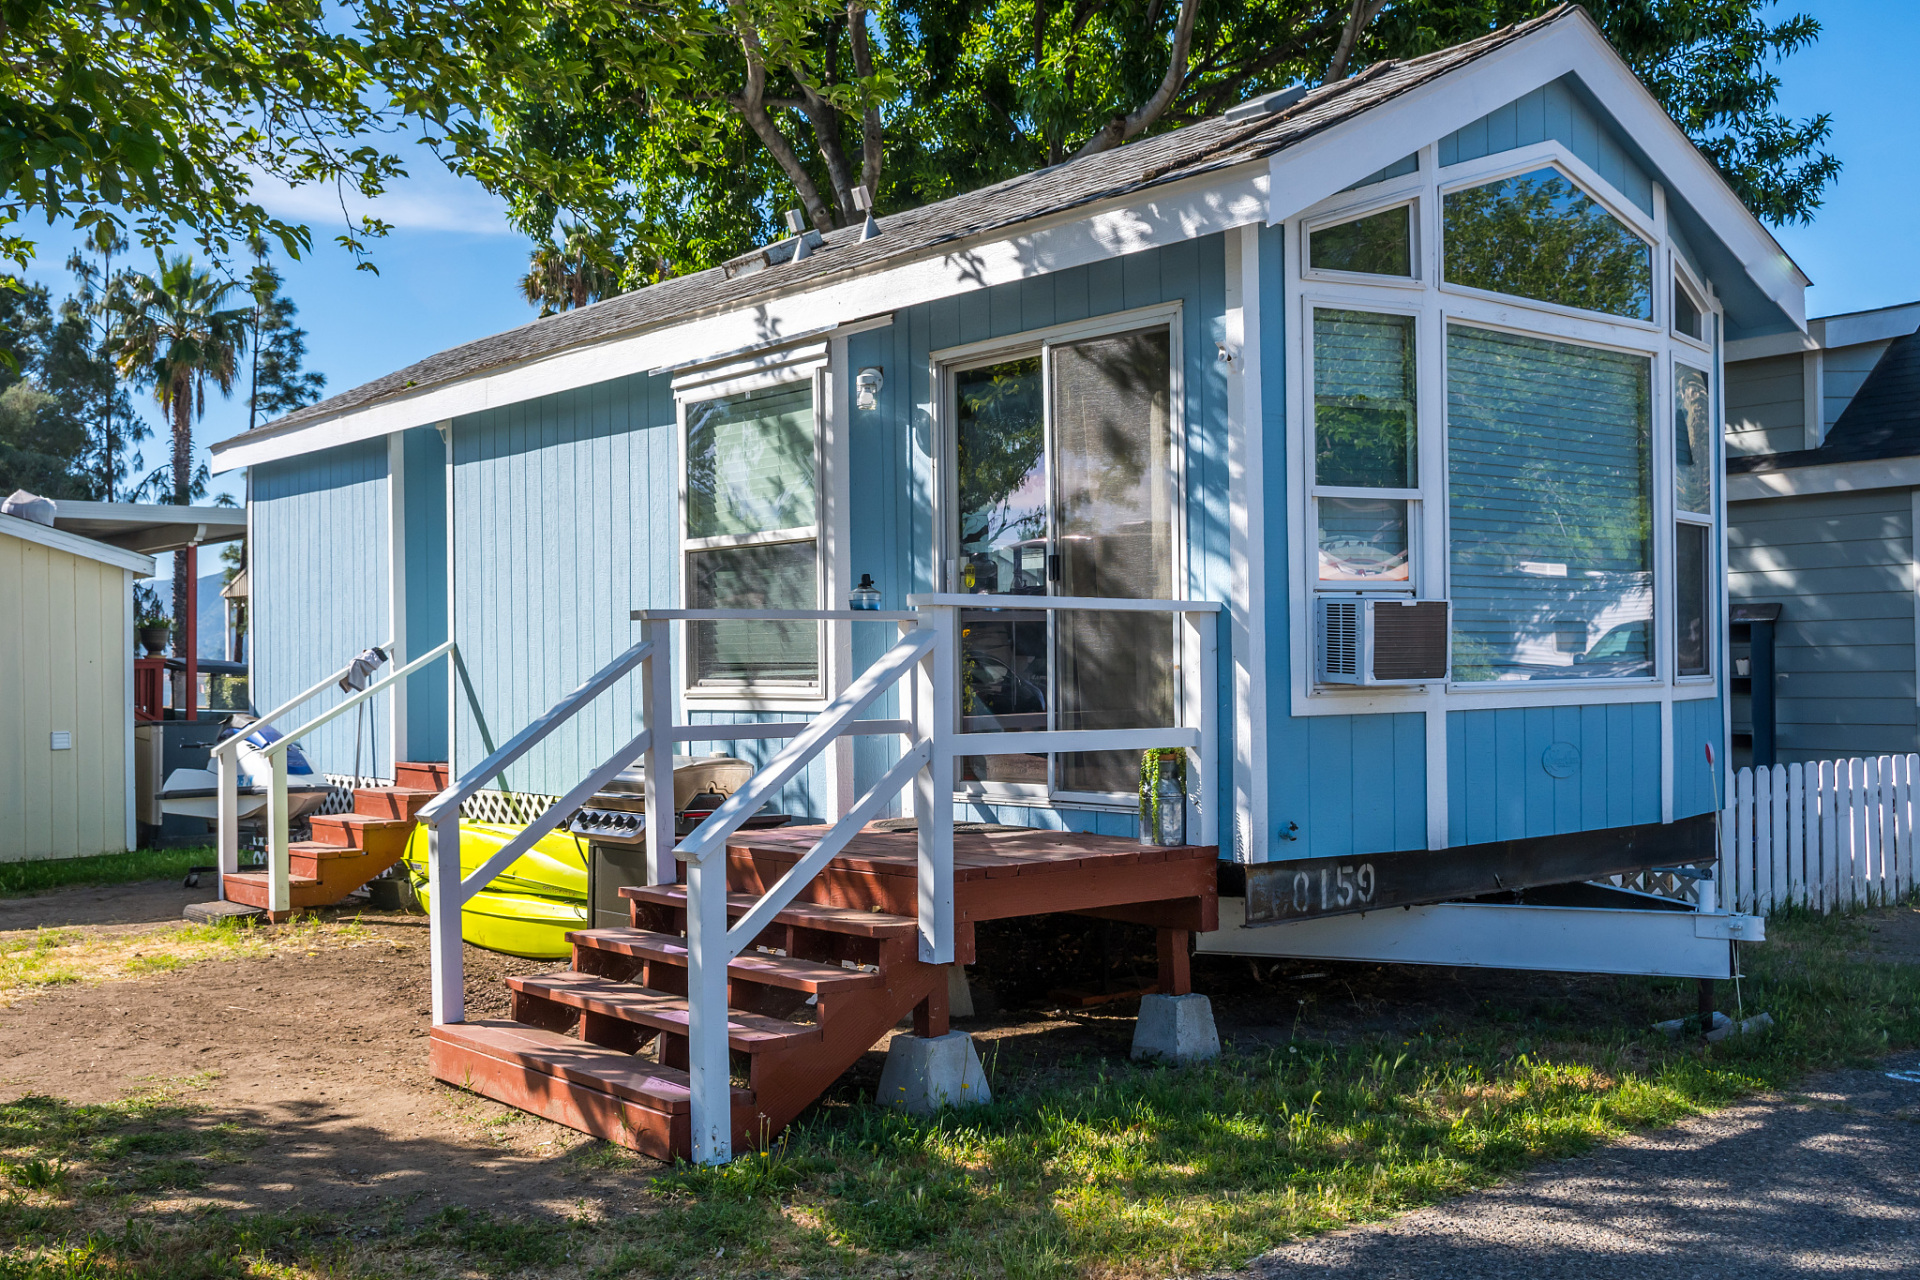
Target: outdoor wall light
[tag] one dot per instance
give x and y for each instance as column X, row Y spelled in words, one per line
column 866, row 386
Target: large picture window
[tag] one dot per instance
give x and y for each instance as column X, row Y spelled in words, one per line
column 1549, row 451
column 751, row 539
column 1538, row 235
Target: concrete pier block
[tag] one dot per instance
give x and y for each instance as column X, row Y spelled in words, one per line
column 924, row 1074
column 1176, row 1029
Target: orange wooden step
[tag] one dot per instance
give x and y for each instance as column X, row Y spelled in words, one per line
column 390, row 802
column 746, row 1032
column 360, row 831
column 423, row 775
column 599, row 1091
column 805, row 915
column 250, row 888
column 750, row 966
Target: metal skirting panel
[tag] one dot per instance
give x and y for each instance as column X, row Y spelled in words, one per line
column 1488, row 936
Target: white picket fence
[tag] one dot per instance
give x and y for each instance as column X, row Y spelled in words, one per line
column 1828, row 835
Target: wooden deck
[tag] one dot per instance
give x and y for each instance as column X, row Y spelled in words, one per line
column 602, row 1047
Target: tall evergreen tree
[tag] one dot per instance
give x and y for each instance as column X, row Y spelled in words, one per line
column 277, row 382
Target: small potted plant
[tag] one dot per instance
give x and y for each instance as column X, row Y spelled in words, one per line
column 1163, row 796
column 150, row 624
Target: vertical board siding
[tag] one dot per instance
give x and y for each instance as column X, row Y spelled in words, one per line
column 319, row 590
column 1841, row 568
column 1553, row 112
column 1766, row 405
column 64, row 635
column 1697, row 724
column 1499, row 787
column 424, row 544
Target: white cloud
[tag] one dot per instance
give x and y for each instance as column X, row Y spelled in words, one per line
column 429, row 199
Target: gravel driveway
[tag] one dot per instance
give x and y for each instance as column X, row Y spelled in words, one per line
column 1821, row 1182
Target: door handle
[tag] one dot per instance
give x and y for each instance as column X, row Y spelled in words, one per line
column 1053, row 566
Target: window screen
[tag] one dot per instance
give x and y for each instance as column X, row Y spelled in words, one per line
column 776, row 575
column 1380, row 244
column 1690, row 598
column 1692, row 441
column 1550, row 508
column 750, row 462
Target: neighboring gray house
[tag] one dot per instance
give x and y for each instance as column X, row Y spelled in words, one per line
column 1823, row 487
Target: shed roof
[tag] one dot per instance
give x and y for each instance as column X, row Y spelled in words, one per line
column 150, row 527
column 1881, row 421
column 76, row 545
column 1208, row 145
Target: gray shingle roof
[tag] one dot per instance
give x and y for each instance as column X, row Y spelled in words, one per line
column 1196, row 149
column 1881, row 421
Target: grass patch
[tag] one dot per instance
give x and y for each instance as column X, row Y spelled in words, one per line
column 1099, row 1168
column 34, row 961
column 108, row 868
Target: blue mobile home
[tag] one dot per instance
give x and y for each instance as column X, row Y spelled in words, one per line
column 1448, row 332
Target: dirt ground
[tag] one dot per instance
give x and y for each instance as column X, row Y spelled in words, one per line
column 322, row 1052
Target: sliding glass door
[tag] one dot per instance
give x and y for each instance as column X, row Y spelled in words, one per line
column 1066, row 486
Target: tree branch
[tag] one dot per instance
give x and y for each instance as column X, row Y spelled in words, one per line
column 872, row 137
column 1359, row 15
column 751, row 103
column 1121, row 128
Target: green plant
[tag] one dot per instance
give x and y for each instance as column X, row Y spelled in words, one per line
column 147, row 609
column 1153, row 765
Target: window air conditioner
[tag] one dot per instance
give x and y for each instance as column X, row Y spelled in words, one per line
column 1382, row 641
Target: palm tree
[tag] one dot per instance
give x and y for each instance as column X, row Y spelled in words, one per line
column 176, row 334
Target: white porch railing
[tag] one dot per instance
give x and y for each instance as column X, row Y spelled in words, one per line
column 1829, row 835
column 226, row 757
column 925, row 660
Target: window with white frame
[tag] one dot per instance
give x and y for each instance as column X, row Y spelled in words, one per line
column 1482, row 349
column 751, row 539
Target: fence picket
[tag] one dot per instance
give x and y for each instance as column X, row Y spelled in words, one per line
column 1829, row 838
column 1855, row 867
column 1797, row 832
column 1764, row 885
column 1743, row 839
column 1776, row 820
column 1903, row 879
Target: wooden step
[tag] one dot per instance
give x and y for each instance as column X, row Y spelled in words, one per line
column 746, row 1032
column 804, row 915
column 390, row 802
column 600, row 1091
column 360, row 831
column 423, row 775
column 750, row 966
column 250, row 889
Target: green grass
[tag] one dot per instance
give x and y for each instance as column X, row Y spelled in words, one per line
column 107, row 868
column 1097, row 1167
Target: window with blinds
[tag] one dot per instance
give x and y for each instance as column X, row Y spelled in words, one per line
column 1550, row 508
column 751, row 538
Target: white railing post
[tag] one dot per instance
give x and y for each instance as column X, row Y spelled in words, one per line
column 937, row 683
column 710, row 1088
column 445, row 900
column 1204, row 695
column 227, row 782
column 279, row 858
column 656, row 708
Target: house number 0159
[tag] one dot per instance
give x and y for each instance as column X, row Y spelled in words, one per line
column 1330, row 888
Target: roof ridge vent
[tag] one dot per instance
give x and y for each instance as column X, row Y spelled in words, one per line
column 1267, row 103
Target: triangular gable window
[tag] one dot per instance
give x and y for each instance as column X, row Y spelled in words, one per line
column 1538, row 235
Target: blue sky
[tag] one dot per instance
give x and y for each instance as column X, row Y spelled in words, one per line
column 449, row 272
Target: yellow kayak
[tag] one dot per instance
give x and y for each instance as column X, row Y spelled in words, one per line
column 531, row 906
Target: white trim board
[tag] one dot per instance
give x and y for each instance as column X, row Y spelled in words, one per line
column 75, row 545
column 1330, row 161
column 1172, row 214
column 1831, row 477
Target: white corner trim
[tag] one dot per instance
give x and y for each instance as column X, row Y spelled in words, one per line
column 1311, row 171
column 75, row 545
column 1832, row 477
column 1813, row 399
column 1175, row 213
column 1246, row 610
column 130, row 809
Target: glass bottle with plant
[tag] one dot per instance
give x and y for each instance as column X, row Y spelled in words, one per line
column 1163, row 809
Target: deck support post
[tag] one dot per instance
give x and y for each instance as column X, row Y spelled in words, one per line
column 937, row 682
column 1176, row 967
column 447, row 959
column 930, row 1016
column 708, row 951
column 279, row 857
